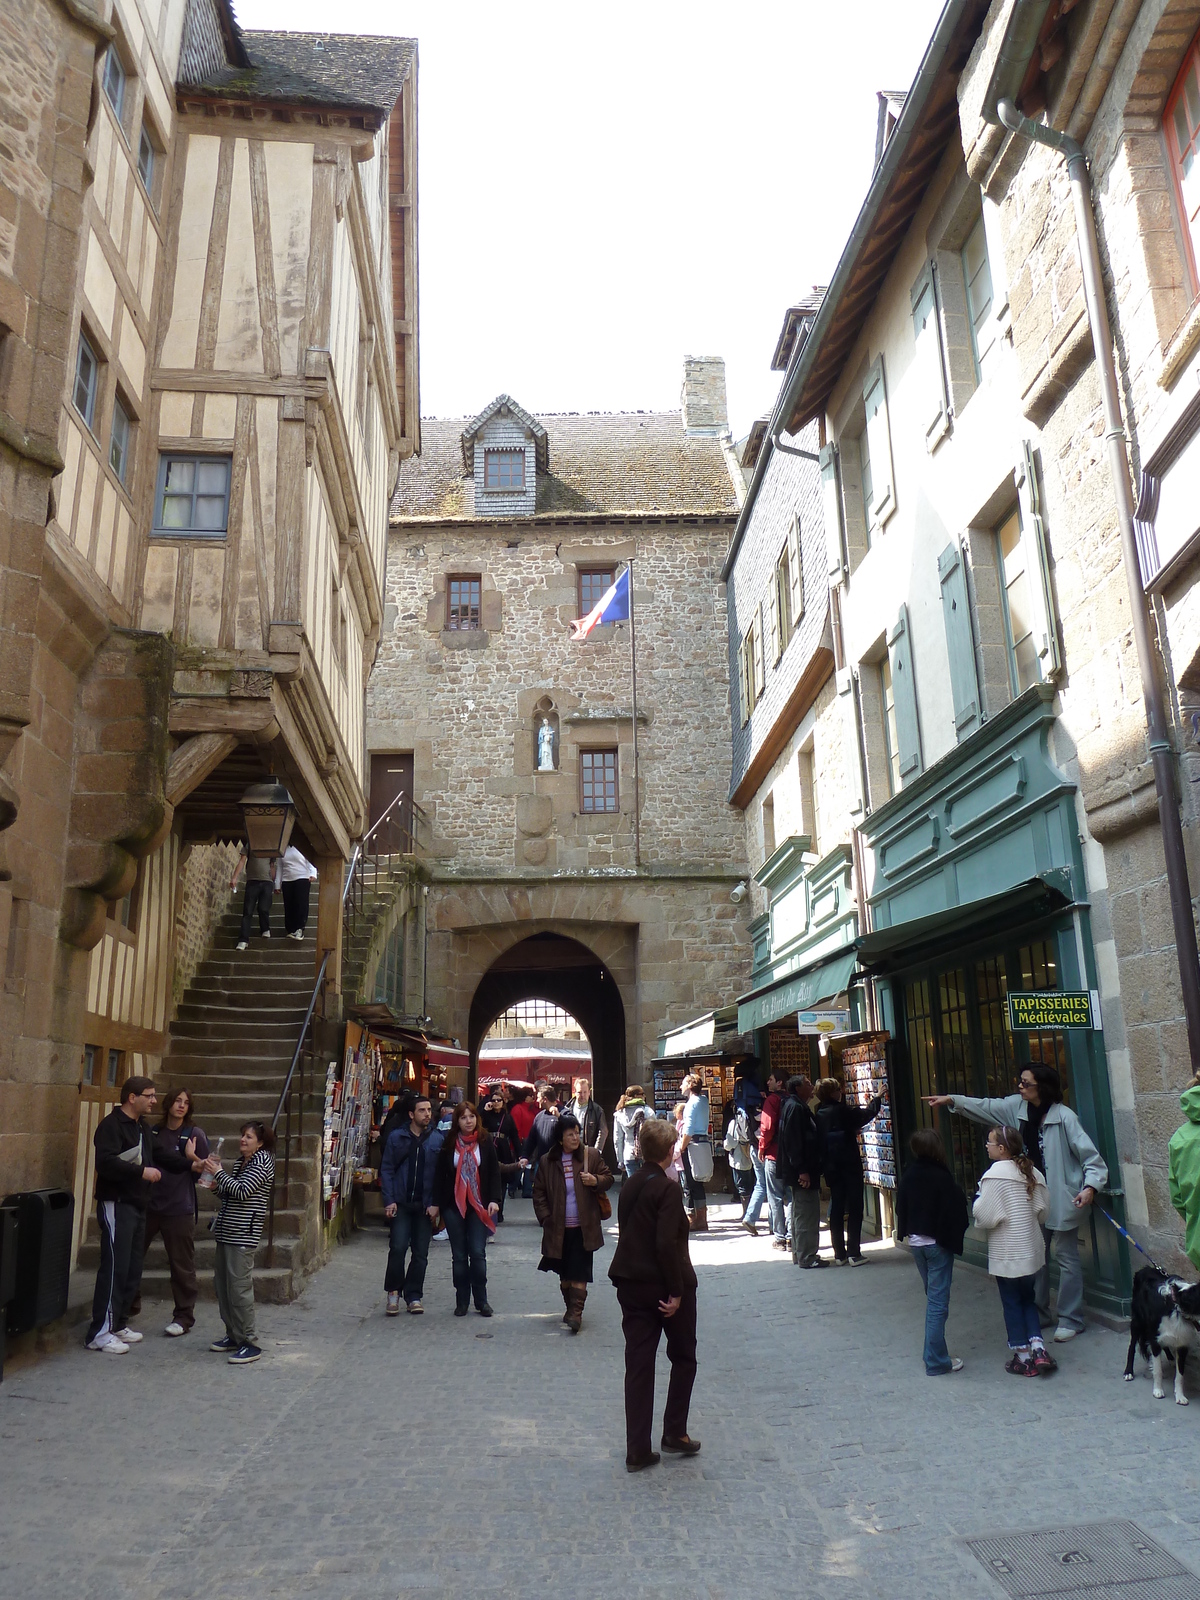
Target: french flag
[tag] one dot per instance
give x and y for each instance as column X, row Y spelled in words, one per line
column 612, row 606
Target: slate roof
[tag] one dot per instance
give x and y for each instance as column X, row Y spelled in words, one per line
column 341, row 70
column 612, row 464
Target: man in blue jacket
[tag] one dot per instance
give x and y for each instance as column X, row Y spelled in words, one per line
column 406, row 1177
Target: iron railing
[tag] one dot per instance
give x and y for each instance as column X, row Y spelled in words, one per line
column 404, row 828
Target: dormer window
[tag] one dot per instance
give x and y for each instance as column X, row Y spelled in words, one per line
column 504, row 469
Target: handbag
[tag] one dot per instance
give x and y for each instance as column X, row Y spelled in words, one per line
column 700, row 1159
column 602, row 1199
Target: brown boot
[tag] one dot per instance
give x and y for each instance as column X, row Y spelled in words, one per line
column 700, row 1220
column 566, row 1294
column 574, row 1316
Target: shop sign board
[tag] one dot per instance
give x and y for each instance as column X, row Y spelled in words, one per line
column 1050, row 1009
column 828, row 1023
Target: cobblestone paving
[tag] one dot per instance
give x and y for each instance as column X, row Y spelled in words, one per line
column 416, row 1458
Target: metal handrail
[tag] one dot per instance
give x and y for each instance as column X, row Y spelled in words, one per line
column 312, row 1002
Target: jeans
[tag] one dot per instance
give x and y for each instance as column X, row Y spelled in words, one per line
column 778, row 1197
column 468, row 1244
column 1020, row 1311
column 634, row 1164
column 122, row 1245
column 759, row 1192
column 257, row 898
column 936, row 1265
column 743, row 1182
column 410, row 1230
column 806, row 1225
column 694, row 1196
column 233, row 1279
column 1070, row 1278
column 846, row 1202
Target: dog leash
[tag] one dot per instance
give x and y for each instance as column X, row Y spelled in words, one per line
column 1126, row 1235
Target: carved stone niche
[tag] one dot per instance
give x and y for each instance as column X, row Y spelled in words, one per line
column 545, row 736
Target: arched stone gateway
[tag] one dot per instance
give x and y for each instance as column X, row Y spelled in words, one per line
column 550, row 966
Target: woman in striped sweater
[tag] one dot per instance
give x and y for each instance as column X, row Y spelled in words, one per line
column 237, row 1227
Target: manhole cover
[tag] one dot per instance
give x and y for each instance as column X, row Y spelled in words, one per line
column 485, row 1335
column 1115, row 1560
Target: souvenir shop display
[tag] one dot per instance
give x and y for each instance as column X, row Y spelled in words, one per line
column 865, row 1075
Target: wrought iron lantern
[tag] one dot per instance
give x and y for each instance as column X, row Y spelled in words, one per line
column 269, row 813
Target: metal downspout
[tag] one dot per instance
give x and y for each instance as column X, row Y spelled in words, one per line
column 1161, row 753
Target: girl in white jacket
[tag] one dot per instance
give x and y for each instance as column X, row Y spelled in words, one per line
column 1011, row 1206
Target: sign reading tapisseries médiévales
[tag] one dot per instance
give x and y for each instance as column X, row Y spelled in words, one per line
column 1028, row 1013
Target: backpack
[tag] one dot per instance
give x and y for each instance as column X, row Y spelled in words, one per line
column 743, row 1129
column 635, row 1127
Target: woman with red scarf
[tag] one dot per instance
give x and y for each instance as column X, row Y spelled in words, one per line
column 467, row 1187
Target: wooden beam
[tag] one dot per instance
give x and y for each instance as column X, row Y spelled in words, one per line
column 194, row 760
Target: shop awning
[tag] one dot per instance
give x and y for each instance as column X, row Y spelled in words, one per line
column 446, row 1055
column 900, row 943
column 800, row 991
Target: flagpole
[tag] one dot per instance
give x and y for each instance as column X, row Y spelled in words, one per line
column 637, row 821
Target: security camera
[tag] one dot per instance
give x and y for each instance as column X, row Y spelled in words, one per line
column 739, row 892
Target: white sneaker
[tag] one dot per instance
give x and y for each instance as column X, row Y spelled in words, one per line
column 298, row 935
column 267, row 935
column 241, row 945
column 174, row 1330
column 1062, row 1333
column 109, row 1344
column 441, row 1238
column 130, row 1335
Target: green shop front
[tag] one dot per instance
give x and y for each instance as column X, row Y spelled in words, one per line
column 977, row 892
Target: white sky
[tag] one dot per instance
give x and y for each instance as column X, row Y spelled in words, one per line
column 604, row 189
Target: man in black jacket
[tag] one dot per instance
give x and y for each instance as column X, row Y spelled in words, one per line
column 656, row 1289
column 541, row 1134
column 798, row 1163
column 406, row 1178
column 124, row 1143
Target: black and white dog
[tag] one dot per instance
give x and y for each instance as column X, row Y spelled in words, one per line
column 1166, row 1318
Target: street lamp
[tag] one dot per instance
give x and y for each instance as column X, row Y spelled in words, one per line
column 269, row 812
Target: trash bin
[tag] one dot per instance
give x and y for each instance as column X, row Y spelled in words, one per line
column 8, row 1268
column 45, row 1218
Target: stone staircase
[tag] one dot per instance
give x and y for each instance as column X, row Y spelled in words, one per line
column 230, row 1046
column 386, row 879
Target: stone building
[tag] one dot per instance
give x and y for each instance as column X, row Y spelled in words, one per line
column 520, row 740
column 1010, row 832
column 207, row 384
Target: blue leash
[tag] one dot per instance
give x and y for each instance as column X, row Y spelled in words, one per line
column 1125, row 1234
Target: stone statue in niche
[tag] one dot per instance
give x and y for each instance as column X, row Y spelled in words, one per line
column 545, row 747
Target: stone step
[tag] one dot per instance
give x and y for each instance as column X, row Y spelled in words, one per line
column 219, row 1005
column 264, row 1051
column 287, row 1251
column 250, row 1025
column 229, row 1102
column 233, row 1077
column 274, row 1285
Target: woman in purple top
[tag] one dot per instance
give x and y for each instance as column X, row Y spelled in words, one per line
column 179, row 1151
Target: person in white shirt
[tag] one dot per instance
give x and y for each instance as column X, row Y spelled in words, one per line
column 297, row 874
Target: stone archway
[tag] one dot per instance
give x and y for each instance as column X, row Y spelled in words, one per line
column 552, row 966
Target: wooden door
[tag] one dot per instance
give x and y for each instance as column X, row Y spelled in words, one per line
column 391, row 777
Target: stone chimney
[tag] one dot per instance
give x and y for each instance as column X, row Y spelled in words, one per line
column 705, row 415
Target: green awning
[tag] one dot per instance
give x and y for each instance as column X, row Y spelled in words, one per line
column 798, row 992
column 902, row 943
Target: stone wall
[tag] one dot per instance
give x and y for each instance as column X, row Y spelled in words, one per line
column 202, row 899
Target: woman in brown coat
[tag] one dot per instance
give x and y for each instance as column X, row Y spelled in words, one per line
column 565, row 1202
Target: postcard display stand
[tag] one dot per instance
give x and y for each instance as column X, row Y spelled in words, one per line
column 718, row 1085
column 865, row 1075
column 346, row 1129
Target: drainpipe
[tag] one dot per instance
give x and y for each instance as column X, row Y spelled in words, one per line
column 1161, row 753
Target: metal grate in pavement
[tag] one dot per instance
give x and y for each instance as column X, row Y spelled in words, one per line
column 1090, row 1561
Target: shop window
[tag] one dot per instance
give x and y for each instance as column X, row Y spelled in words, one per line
column 977, row 278
column 463, row 599
column 87, row 381
column 504, row 469
column 119, row 438
column 598, row 781
column 193, row 496
column 1181, row 124
column 115, row 80
column 594, row 584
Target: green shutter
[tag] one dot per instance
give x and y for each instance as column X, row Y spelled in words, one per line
column 1041, row 585
column 960, row 640
column 904, row 689
column 831, row 502
column 927, row 336
column 879, row 445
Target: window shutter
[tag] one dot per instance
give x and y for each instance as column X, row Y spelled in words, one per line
column 960, row 640
column 879, row 445
column 847, row 693
column 904, row 690
column 1037, row 560
column 831, row 504
column 795, row 572
column 927, row 335
column 774, row 618
column 760, row 669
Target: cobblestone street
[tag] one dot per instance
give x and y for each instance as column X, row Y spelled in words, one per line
column 367, row 1459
